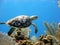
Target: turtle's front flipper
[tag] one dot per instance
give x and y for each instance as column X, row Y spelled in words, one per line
column 11, row 31
column 36, row 30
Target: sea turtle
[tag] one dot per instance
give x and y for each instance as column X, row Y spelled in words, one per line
column 19, row 22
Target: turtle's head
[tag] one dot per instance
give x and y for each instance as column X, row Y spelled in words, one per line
column 33, row 17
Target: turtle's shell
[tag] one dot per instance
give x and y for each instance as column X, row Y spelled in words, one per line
column 20, row 22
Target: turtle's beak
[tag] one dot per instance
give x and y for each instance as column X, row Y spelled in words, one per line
column 33, row 17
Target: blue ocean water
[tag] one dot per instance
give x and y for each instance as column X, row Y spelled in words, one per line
column 46, row 10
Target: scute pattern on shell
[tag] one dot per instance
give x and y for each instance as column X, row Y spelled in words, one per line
column 20, row 22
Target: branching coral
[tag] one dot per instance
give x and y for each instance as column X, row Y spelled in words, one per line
column 53, row 31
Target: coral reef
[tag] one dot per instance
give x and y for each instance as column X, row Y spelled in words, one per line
column 6, row 40
column 51, row 29
column 54, row 31
column 22, row 37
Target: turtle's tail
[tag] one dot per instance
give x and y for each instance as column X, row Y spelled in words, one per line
column 2, row 23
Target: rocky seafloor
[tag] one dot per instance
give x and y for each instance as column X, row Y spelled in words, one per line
column 52, row 37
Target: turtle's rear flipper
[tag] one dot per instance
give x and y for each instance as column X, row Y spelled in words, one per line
column 2, row 23
column 11, row 31
column 36, row 30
